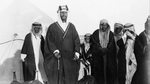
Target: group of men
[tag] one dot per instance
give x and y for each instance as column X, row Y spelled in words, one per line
column 119, row 57
column 55, row 59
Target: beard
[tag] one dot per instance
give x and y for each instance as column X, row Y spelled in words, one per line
column 64, row 18
column 104, row 29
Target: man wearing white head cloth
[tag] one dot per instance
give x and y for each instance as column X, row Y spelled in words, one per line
column 142, row 53
column 62, row 47
column 126, row 57
column 32, row 54
column 104, row 54
column 131, row 63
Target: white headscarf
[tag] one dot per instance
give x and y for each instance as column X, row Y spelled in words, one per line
column 87, row 45
column 33, row 32
column 118, row 35
column 63, row 24
column 130, row 56
column 36, row 42
column 104, row 36
column 130, row 27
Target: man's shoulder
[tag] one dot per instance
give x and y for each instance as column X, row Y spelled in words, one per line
column 71, row 24
column 54, row 23
column 111, row 33
column 52, row 26
column 28, row 35
column 96, row 31
column 142, row 33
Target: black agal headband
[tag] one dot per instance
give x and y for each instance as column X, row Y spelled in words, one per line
column 63, row 8
column 36, row 24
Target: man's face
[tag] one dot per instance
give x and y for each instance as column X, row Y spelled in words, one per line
column 118, row 30
column 104, row 27
column 37, row 29
column 87, row 39
column 63, row 15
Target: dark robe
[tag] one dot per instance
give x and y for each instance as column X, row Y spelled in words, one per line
column 99, row 57
column 86, row 80
column 29, row 63
column 121, row 62
column 67, row 42
column 142, row 74
column 87, row 56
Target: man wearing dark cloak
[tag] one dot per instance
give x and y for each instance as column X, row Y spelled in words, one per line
column 126, row 58
column 86, row 61
column 32, row 54
column 62, row 47
column 104, row 54
column 121, row 64
column 86, row 52
column 142, row 53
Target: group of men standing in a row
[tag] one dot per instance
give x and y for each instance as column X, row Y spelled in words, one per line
column 120, row 57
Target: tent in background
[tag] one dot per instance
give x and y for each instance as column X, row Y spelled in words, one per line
column 16, row 23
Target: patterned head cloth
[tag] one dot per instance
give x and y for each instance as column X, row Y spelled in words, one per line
column 130, row 27
column 63, row 8
column 129, row 31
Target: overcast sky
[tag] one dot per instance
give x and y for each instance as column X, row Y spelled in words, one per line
column 86, row 14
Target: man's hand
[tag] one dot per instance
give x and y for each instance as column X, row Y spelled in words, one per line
column 130, row 35
column 23, row 56
column 146, row 48
column 76, row 56
column 57, row 55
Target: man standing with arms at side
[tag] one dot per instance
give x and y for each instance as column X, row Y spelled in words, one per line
column 104, row 54
column 32, row 54
column 62, row 46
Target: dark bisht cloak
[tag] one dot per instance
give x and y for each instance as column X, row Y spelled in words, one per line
column 29, row 63
column 142, row 54
column 67, row 42
column 98, row 60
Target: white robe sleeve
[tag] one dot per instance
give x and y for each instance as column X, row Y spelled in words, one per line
column 130, row 57
column 23, row 56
